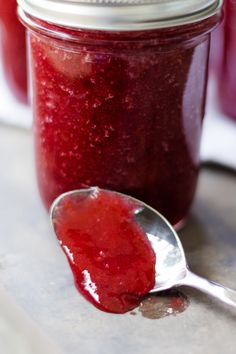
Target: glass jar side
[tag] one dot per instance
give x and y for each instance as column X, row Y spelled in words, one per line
column 123, row 115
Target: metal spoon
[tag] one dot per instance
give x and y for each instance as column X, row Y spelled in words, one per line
column 171, row 266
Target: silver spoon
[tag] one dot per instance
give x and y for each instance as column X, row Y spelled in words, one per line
column 171, row 265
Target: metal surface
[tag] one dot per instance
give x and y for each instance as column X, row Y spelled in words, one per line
column 19, row 334
column 35, row 272
column 120, row 14
column 171, row 266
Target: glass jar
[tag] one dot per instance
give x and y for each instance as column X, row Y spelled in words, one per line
column 13, row 49
column 226, row 58
column 119, row 100
column 216, row 49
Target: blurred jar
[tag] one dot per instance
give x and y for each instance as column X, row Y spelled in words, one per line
column 224, row 60
column 216, row 49
column 13, row 50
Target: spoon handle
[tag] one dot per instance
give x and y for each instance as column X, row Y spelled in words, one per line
column 220, row 292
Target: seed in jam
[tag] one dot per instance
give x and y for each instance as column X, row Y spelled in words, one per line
column 120, row 110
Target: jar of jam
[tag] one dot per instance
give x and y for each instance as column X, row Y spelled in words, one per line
column 225, row 71
column 118, row 96
column 13, row 49
column 216, row 48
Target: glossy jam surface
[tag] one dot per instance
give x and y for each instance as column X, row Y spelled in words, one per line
column 109, row 254
column 122, row 111
column 226, row 71
column 13, row 49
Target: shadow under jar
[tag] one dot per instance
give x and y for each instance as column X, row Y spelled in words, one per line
column 119, row 95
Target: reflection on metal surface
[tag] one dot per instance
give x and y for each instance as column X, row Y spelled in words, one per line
column 167, row 303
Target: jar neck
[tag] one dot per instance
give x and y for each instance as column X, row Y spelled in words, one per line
column 177, row 34
column 121, row 15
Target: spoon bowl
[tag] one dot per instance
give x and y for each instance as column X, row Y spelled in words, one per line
column 171, row 265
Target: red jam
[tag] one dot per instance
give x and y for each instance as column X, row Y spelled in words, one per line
column 109, row 254
column 13, row 49
column 226, row 71
column 120, row 110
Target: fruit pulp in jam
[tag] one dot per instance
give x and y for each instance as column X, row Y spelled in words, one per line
column 110, row 256
column 122, row 111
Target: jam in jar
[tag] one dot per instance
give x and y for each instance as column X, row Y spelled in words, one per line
column 119, row 100
column 226, row 59
column 13, row 49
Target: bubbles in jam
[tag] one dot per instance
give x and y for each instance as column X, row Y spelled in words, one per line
column 109, row 254
column 120, row 110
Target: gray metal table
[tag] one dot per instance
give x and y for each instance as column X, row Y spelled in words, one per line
column 35, row 275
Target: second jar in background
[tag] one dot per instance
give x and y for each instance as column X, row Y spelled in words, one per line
column 224, row 59
column 13, row 49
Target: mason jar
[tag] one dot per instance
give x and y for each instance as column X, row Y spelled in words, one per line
column 119, row 93
column 225, row 72
column 13, row 50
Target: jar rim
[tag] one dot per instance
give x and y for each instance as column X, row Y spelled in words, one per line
column 121, row 15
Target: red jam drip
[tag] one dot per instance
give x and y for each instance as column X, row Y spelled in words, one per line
column 122, row 111
column 13, row 45
column 109, row 254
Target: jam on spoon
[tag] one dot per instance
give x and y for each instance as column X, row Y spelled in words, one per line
column 110, row 256
column 103, row 235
